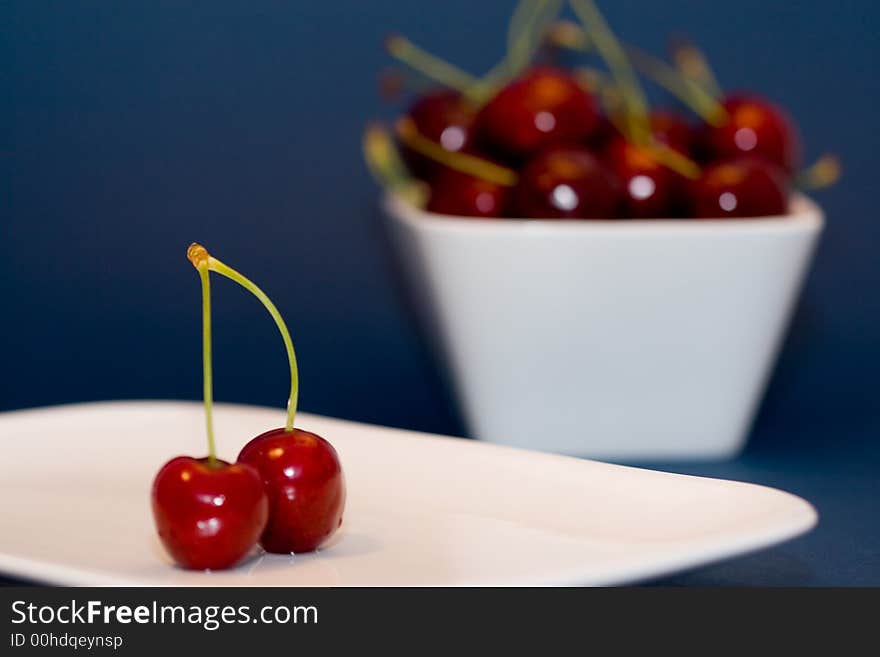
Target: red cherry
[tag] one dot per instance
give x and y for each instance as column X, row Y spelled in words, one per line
column 306, row 488
column 209, row 516
column 566, row 182
column 544, row 106
column 741, row 187
column 650, row 189
column 670, row 128
column 755, row 127
column 457, row 193
column 604, row 133
column 445, row 119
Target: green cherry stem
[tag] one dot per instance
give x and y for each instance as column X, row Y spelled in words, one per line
column 213, row 264
column 227, row 271
column 198, row 257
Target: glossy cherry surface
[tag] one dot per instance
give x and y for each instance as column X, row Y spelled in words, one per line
column 672, row 129
column 566, row 182
column 305, row 485
column 209, row 516
column 741, row 187
column 755, row 127
column 649, row 189
column 445, row 119
column 457, row 193
column 544, row 106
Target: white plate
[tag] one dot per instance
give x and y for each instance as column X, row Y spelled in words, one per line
column 422, row 510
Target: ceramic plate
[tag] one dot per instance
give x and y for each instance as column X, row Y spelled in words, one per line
column 422, row 509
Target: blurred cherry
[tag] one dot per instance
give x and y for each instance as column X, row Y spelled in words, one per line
column 457, row 193
column 543, row 106
column 603, row 134
column 754, row 127
column 565, row 182
column 444, row 118
column 670, row 128
column 740, row 187
column 649, row 189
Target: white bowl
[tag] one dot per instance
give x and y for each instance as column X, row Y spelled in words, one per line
column 609, row 339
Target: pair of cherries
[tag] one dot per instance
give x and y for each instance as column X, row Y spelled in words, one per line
column 286, row 490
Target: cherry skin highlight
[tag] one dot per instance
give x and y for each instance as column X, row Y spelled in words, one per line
column 650, row 190
column 444, row 118
column 209, row 516
column 457, row 193
column 305, row 485
column 566, row 182
column 741, row 187
column 544, row 106
column 755, row 127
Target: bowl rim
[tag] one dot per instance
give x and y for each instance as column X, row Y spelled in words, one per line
column 804, row 215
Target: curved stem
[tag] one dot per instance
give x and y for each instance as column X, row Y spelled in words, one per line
column 824, row 172
column 611, row 51
column 406, row 52
column 686, row 89
column 387, row 167
column 691, row 92
column 219, row 267
column 207, row 377
column 470, row 164
column 693, row 64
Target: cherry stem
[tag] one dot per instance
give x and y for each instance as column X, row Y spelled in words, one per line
column 474, row 166
column 431, row 66
column 198, row 256
column 612, row 52
column 387, row 167
column 524, row 37
column 689, row 91
column 824, row 172
column 202, row 259
column 693, row 64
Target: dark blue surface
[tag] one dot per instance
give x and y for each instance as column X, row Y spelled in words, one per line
column 131, row 129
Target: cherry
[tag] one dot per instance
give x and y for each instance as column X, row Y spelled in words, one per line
column 740, row 187
column 603, row 134
column 444, row 118
column 300, row 471
column 650, row 189
column 670, row 128
column 306, row 488
column 454, row 192
column 566, row 182
column 209, row 514
column 753, row 127
column 543, row 106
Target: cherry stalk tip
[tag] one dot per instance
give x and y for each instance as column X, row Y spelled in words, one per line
column 197, row 254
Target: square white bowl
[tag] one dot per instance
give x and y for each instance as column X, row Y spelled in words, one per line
column 633, row 339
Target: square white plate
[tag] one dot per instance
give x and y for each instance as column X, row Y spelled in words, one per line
column 422, row 509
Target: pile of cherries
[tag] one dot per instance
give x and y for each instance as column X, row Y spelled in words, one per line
column 286, row 490
column 541, row 146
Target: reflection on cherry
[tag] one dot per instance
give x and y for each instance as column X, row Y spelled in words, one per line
column 650, row 189
column 453, row 192
column 544, row 106
column 566, row 182
column 754, row 127
column 740, row 187
column 444, row 118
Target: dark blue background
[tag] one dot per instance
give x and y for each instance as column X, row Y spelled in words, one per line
column 131, row 129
